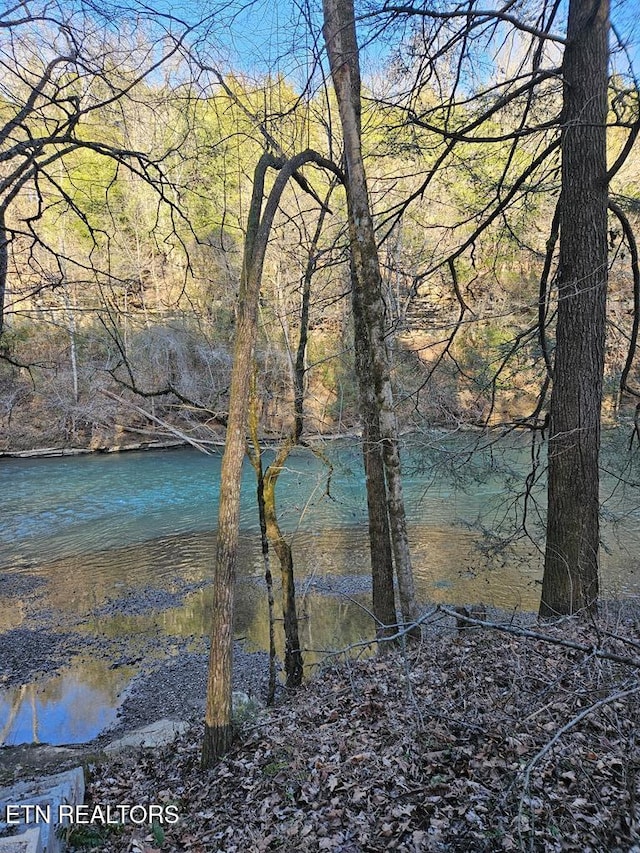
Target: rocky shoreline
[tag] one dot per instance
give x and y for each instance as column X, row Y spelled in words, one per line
column 169, row 679
column 154, row 444
column 46, row 452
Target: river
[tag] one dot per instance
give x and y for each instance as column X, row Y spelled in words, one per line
column 88, row 534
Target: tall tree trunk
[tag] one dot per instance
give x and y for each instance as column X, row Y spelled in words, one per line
column 293, row 661
column 570, row 579
column 293, row 664
column 384, row 606
column 342, row 48
column 4, row 266
column 217, row 736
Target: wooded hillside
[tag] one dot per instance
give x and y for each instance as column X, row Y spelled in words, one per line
column 127, row 173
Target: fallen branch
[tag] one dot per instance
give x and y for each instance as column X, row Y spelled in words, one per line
column 164, row 424
column 595, row 651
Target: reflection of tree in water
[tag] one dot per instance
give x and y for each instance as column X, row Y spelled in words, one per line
column 20, row 695
column 80, row 697
column 333, row 622
column 16, row 701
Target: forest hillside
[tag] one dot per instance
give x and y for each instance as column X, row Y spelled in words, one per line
column 127, row 182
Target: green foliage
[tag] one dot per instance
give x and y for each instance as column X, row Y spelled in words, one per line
column 126, row 249
column 246, row 710
column 480, row 348
column 88, row 836
column 274, row 767
column 157, row 833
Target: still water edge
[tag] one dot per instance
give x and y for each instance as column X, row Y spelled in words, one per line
column 93, row 530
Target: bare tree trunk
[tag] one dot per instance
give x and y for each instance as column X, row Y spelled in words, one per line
column 383, row 598
column 4, row 266
column 73, row 349
column 217, row 736
column 342, row 49
column 293, row 664
column 293, row 661
column 255, row 456
column 570, row 579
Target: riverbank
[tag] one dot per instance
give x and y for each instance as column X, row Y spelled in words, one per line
column 171, row 444
column 160, row 674
column 52, row 452
column 167, row 688
column 472, row 741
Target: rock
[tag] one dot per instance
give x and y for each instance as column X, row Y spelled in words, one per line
column 244, row 707
column 156, row 734
column 29, row 841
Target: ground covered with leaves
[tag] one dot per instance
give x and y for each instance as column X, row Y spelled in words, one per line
column 473, row 740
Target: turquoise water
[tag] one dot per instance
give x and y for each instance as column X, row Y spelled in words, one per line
column 60, row 507
column 155, row 510
column 64, row 506
column 97, row 528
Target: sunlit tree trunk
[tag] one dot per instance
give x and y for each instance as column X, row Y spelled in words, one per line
column 217, row 737
column 293, row 661
column 342, row 49
column 383, row 598
column 570, row 581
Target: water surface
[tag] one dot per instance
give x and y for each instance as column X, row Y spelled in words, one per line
column 97, row 529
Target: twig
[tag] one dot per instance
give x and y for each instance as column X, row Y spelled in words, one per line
column 607, row 700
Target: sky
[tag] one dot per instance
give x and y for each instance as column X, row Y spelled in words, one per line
column 259, row 36
column 256, row 36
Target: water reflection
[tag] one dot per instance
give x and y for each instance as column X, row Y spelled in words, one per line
column 67, row 708
column 102, row 523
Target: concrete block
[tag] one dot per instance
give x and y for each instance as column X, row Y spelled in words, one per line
column 29, row 841
column 35, row 804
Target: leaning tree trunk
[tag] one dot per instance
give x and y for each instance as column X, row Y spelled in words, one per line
column 217, row 736
column 293, row 660
column 570, row 581
column 342, row 48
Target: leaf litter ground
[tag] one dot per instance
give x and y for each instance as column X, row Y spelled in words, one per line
column 472, row 740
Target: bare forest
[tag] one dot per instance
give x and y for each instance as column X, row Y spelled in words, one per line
column 128, row 166
column 230, row 225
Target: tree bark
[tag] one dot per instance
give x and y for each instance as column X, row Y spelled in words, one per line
column 293, row 663
column 255, row 457
column 217, row 736
column 570, row 582
column 218, row 733
column 342, row 48
column 383, row 597
column 4, row 265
